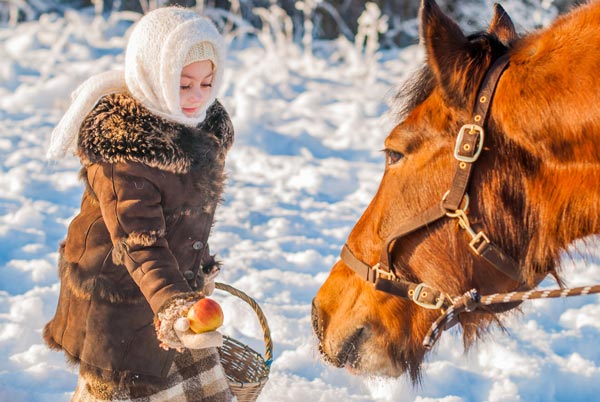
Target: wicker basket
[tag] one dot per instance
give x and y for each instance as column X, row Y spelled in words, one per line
column 246, row 370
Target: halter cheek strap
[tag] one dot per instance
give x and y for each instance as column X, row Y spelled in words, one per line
column 454, row 204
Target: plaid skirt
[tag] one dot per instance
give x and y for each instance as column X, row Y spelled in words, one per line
column 195, row 376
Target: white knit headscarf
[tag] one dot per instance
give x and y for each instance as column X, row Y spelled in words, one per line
column 157, row 49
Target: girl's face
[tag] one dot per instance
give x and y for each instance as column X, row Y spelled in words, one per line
column 195, row 86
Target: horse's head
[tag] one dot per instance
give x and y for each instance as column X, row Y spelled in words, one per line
column 374, row 332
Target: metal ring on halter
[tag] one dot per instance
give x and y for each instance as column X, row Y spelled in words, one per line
column 456, row 213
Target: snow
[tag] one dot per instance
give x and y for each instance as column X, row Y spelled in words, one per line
column 306, row 162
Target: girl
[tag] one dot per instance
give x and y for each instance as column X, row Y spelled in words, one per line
column 152, row 141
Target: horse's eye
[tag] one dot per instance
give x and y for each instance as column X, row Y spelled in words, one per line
column 392, row 157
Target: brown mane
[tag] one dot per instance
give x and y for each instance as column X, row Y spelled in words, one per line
column 534, row 189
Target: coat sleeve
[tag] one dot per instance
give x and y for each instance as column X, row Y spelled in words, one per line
column 131, row 208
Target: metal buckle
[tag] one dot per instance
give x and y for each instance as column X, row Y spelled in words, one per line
column 479, row 242
column 417, row 293
column 471, row 129
column 380, row 273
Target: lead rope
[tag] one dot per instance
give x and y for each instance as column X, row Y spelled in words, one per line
column 472, row 300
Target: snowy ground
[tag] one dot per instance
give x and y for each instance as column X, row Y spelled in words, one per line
column 305, row 164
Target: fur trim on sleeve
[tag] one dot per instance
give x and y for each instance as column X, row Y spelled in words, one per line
column 145, row 239
column 174, row 308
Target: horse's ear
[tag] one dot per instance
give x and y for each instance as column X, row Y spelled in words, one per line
column 446, row 47
column 502, row 26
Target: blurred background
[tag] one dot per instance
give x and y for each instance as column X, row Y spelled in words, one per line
column 322, row 19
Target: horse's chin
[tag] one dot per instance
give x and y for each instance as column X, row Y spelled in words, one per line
column 360, row 355
column 384, row 369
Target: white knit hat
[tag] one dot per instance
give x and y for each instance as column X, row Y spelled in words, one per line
column 200, row 52
column 160, row 45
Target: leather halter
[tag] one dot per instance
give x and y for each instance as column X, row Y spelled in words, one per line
column 469, row 144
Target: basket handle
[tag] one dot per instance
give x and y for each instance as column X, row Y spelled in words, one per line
column 261, row 318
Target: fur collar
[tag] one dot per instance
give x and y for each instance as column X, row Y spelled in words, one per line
column 120, row 129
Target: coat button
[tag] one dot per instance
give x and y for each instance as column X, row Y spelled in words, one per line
column 197, row 245
column 189, row 275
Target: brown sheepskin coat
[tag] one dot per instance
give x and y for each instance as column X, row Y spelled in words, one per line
column 140, row 239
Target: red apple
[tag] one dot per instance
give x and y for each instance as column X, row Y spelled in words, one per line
column 205, row 315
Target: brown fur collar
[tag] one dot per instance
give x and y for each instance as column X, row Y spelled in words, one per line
column 120, row 129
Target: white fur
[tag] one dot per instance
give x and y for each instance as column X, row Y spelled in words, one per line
column 154, row 57
column 192, row 340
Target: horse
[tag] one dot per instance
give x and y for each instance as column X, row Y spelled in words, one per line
column 492, row 171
